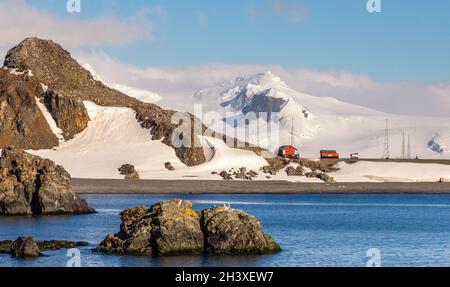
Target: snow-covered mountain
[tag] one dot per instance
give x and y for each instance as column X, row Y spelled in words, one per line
column 326, row 123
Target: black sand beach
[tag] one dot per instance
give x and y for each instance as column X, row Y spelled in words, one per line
column 113, row 186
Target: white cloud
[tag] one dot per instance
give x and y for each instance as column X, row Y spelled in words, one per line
column 19, row 20
column 177, row 86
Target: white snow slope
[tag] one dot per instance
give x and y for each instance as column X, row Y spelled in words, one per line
column 326, row 123
column 114, row 137
column 364, row 171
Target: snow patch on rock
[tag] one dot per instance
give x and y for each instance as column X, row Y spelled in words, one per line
column 51, row 122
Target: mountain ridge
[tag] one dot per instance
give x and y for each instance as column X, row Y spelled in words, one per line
column 314, row 123
column 54, row 67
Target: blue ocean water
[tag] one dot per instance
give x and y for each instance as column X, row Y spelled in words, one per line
column 313, row 230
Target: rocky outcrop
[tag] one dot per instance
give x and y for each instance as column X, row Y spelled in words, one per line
column 233, row 232
column 242, row 173
column 54, row 67
column 322, row 165
column 292, row 171
column 325, row 177
column 269, row 170
column 322, row 176
column 60, row 244
column 69, row 113
column 174, row 228
column 311, row 174
column 225, row 175
column 169, row 166
column 167, row 228
column 25, row 247
column 31, row 185
column 22, row 123
column 5, row 246
column 129, row 171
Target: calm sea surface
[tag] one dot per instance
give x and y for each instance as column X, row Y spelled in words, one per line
column 313, row 230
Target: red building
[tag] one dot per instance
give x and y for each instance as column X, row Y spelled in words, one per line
column 328, row 154
column 288, row 151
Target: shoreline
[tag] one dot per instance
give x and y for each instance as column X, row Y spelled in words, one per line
column 119, row 186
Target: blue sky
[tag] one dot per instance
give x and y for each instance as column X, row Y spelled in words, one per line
column 409, row 40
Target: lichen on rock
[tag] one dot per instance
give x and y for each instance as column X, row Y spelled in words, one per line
column 233, row 232
column 174, row 228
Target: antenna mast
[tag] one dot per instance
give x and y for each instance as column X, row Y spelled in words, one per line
column 409, row 147
column 292, row 132
column 403, row 156
column 386, row 152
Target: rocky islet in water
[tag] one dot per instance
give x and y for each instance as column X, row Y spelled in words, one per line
column 174, row 228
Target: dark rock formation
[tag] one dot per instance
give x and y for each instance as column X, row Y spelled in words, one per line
column 25, row 247
column 322, row 176
column 69, row 113
column 169, row 166
column 31, row 185
column 167, row 228
column 243, row 174
column 311, row 174
column 129, row 171
column 225, row 175
column 325, row 177
column 233, row 232
column 54, row 67
column 5, row 246
column 174, row 228
column 269, row 169
column 22, row 123
column 276, row 164
column 327, row 165
column 292, row 171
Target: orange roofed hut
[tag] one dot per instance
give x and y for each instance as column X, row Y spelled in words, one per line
column 288, row 151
